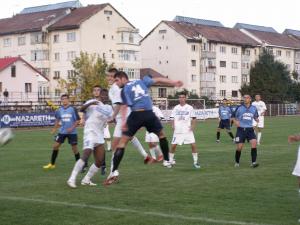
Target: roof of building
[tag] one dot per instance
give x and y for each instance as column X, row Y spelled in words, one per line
column 60, row 5
column 295, row 33
column 198, row 21
column 30, row 22
column 6, row 62
column 217, row 34
column 153, row 73
column 254, row 27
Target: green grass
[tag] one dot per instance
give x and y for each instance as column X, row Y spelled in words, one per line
column 218, row 193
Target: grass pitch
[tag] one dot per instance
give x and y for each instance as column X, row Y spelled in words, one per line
column 218, row 193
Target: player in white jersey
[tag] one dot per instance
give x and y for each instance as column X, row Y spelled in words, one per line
column 107, row 137
column 296, row 171
column 96, row 116
column 261, row 109
column 153, row 140
column 115, row 97
column 184, row 122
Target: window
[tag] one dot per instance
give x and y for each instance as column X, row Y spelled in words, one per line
column 38, row 38
column 234, row 50
column 244, row 78
column 167, row 47
column 162, row 31
column 112, row 56
column 71, row 37
column 39, row 55
column 71, row 74
column 13, row 71
column 288, row 54
column 130, row 38
column 222, row 79
column 108, row 12
column 278, row 52
column 234, row 79
column 56, row 56
column 122, row 37
column 162, row 92
column 0, row 87
column 194, row 48
column 297, row 55
column 204, row 47
column 297, row 67
column 222, row 63
column 71, row 55
column 247, row 52
column 56, row 75
column 28, row 87
column 127, row 55
column 55, row 38
column 6, row 42
column 222, row 93
column 103, row 36
column 193, row 62
column 223, row 49
column 159, row 62
column 103, row 55
column 21, row 40
column 159, row 47
column 167, row 61
column 234, row 65
column 112, row 37
column 234, row 94
column 44, row 71
column 245, row 65
column 57, row 92
column 194, row 77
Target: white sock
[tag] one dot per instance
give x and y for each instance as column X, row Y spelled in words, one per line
column 136, row 143
column 195, row 157
column 158, row 151
column 171, row 156
column 258, row 137
column 92, row 171
column 77, row 168
column 152, row 152
column 108, row 144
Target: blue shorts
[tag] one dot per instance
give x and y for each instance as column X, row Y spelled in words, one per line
column 72, row 138
column 139, row 119
column 224, row 124
column 243, row 134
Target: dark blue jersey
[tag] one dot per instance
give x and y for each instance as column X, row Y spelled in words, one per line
column 67, row 117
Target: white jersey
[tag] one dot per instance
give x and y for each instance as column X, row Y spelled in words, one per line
column 114, row 95
column 182, row 116
column 260, row 106
column 151, row 137
column 157, row 112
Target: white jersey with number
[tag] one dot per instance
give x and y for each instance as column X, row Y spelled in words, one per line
column 261, row 108
column 182, row 116
column 96, row 117
column 151, row 137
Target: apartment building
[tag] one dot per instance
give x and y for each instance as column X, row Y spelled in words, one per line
column 285, row 47
column 211, row 60
column 51, row 36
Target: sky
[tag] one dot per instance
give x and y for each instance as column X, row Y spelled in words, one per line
column 146, row 14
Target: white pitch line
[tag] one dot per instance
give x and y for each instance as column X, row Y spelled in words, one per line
column 113, row 209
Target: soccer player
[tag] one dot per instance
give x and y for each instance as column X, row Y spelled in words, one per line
column 69, row 119
column 224, row 118
column 183, row 124
column 261, row 109
column 152, row 139
column 115, row 97
column 107, row 138
column 296, row 171
column 135, row 94
column 97, row 114
column 243, row 119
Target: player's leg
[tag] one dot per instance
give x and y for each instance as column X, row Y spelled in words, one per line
column 228, row 130
column 195, row 155
column 159, row 155
column 259, row 134
column 240, row 140
column 107, row 138
column 172, row 153
column 59, row 139
column 73, row 139
column 219, row 131
column 253, row 142
column 299, row 184
column 137, row 145
column 152, row 147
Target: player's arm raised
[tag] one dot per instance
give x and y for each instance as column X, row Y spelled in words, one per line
column 163, row 80
column 88, row 104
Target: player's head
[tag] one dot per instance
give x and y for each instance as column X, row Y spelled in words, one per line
column 257, row 97
column 121, row 78
column 110, row 75
column 64, row 99
column 96, row 91
column 104, row 95
column 182, row 98
column 224, row 101
column 247, row 99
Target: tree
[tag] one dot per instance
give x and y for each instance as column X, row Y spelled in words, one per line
column 269, row 78
column 89, row 71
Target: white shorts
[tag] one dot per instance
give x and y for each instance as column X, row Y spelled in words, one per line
column 151, row 137
column 91, row 139
column 296, row 171
column 106, row 132
column 118, row 128
column 260, row 123
column 187, row 138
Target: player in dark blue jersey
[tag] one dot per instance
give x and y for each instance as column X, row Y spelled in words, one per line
column 243, row 119
column 67, row 118
column 135, row 94
column 225, row 114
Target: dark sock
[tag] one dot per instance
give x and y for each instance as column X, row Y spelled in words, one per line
column 231, row 135
column 164, row 145
column 237, row 156
column 54, row 156
column 103, row 162
column 218, row 135
column 118, row 155
column 77, row 156
column 253, row 154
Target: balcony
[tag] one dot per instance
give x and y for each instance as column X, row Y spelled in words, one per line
column 246, row 58
column 297, row 60
column 207, row 84
column 245, row 71
column 208, row 54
